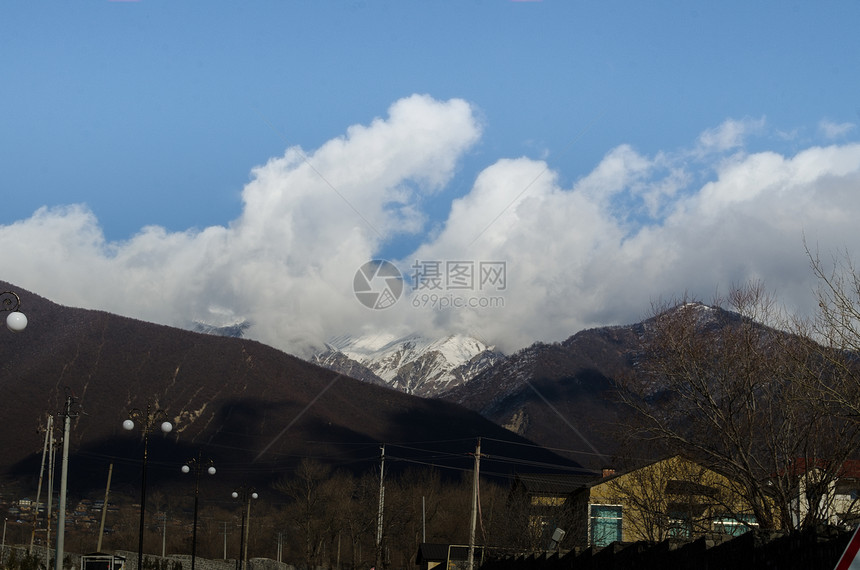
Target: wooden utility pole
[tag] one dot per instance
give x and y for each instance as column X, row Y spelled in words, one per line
column 48, row 435
column 104, row 510
column 51, row 460
column 224, row 529
column 64, row 472
column 379, row 557
column 471, row 562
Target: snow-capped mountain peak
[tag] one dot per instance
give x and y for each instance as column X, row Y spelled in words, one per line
column 414, row 364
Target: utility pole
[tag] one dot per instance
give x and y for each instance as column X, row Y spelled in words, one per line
column 3, row 545
column 224, row 529
column 379, row 558
column 48, row 428
column 51, row 461
column 64, row 472
column 471, row 562
column 163, row 534
column 104, row 510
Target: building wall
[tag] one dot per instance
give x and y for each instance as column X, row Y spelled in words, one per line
column 673, row 497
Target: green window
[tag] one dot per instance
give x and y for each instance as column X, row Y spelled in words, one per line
column 605, row 524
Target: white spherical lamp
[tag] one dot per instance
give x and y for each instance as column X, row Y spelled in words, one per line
column 16, row 322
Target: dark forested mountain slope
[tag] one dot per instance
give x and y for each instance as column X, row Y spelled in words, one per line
column 560, row 395
column 254, row 410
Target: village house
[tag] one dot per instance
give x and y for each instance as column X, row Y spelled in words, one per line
column 827, row 494
column 673, row 497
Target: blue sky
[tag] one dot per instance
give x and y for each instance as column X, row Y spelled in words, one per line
column 131, row 132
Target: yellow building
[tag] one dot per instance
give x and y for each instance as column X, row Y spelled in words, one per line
column 674, row 497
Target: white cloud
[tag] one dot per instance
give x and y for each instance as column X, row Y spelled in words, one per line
column 729, row 135
column 635, row 228
column 831, row 130
column 287, row 263
column 575, row 259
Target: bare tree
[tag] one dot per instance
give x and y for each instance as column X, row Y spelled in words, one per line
column 412, row 499
column 836, row 330
column 337, row 513
column 306, row 490
column 724, row 385
column 361, row 518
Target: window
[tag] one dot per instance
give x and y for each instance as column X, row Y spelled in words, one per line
column 605, row 524
column 734, row 525
column 680, row 524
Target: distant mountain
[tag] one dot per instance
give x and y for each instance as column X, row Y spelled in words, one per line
column 560, row 395
column 563, row 395
column 234, row 330
column 255, row 411
column 412, row 364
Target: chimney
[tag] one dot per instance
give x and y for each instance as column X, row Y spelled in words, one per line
column 608, row 472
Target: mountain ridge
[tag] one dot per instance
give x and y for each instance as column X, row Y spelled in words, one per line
column 254, row 410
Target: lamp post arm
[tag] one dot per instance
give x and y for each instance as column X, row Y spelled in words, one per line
column 11, row 302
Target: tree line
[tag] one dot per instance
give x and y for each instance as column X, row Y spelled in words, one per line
column 318, row 516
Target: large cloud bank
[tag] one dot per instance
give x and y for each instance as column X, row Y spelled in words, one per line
column 599, row 252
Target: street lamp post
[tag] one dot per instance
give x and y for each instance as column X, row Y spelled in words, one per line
column 148, row 420
column 196, row 464
column 16, row 321
column 245, row 494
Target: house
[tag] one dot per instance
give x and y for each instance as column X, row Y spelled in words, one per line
column 826, row 493
column 673, row 497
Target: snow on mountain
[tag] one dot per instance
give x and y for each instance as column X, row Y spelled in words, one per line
column 236, row 329
column 413, row 364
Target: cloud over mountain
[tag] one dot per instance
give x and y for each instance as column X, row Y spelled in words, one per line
column 592, row 252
